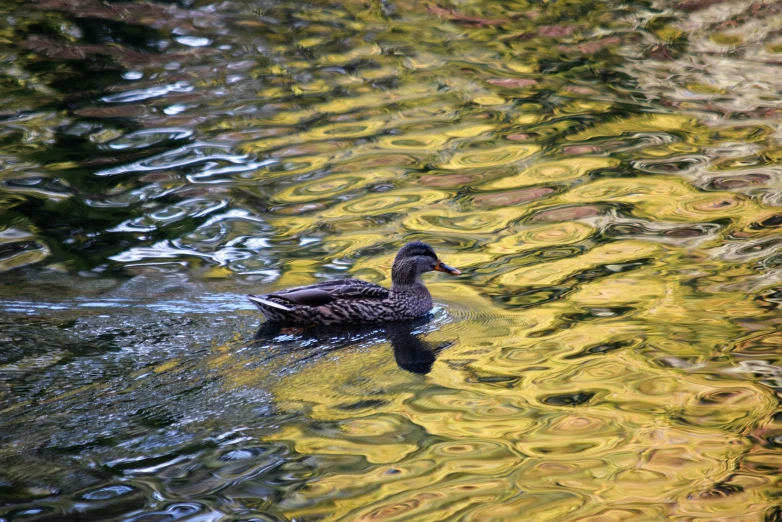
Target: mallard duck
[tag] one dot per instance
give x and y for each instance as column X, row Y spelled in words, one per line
column 345, row 301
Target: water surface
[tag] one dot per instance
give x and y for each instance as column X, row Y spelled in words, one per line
column 605, row 174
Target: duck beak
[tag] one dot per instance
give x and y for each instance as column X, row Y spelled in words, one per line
column 442, row 267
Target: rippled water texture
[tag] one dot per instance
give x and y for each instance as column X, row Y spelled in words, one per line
column 607, row 175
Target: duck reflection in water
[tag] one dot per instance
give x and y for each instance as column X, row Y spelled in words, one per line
column 411, row 351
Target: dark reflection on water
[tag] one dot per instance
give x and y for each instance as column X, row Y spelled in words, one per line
column 411, row 352
column 606, row 175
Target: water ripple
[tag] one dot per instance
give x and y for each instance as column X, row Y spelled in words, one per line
column 605, row 175
column 192, row 154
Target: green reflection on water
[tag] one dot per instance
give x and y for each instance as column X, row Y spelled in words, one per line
column 605, row 174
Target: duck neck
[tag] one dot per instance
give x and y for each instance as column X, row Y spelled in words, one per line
column 405, row 278
column 415, row 288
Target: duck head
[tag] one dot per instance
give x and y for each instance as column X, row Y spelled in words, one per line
column 414, row 259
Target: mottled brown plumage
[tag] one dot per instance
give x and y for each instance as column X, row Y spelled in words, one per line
column 345, row 301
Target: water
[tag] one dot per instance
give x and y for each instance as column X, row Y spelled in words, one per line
column 605, row 174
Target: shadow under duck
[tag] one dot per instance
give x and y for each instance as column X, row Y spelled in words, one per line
column 346, row 301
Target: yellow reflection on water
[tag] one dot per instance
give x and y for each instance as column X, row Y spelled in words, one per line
column 534, row 410
column 605, row 175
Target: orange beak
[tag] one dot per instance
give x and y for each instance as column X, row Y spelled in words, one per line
column 442, row 267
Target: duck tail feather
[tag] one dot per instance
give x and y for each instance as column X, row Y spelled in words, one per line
column 260, row 302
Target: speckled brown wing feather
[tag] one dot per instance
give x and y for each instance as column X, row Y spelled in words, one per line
column 327, row 292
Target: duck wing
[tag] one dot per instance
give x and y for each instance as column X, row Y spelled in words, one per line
column 327, row 292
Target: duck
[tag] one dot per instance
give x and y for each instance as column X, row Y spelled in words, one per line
column 353, row 301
